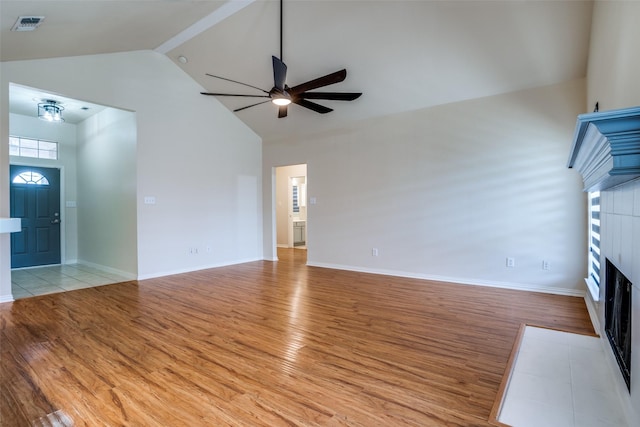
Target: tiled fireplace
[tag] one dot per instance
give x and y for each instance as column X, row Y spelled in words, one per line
column 620, row 244
column 606, row 152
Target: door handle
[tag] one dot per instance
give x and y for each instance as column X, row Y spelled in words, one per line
column 56, row 221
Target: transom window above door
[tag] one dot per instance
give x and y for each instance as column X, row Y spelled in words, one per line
column 35, row 148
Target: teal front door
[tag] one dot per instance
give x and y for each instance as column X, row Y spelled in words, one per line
column 35, row 198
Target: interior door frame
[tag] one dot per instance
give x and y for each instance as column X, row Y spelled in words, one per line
column 290, row 211
column 301, row 195
column 274, row 205
column 63, row 228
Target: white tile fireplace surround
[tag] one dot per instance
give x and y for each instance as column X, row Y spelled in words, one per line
column 620, row 243
column 606, row 152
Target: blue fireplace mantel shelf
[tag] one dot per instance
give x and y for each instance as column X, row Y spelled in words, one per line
column 606, row 148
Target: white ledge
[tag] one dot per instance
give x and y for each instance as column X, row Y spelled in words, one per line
column 593, row 288
column 10, row 225
column 606, row 148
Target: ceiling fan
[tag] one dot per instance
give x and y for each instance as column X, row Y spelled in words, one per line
column 282, row 95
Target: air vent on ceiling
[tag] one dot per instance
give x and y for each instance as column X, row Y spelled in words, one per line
column 27, row 23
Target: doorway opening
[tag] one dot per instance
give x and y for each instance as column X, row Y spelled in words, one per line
column 291, row 207
column 93, row 153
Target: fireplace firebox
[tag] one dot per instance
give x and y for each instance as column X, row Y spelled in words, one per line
column 617, row 315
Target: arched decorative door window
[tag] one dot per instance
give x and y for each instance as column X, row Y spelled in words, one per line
column 30, row 177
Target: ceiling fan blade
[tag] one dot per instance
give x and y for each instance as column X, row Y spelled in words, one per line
column 235, row 81
column 333, row 96
column 234, row 94
column 327, row 80
column 313, row 106
column 249, row 106
column 282, row 111
column 279, row 73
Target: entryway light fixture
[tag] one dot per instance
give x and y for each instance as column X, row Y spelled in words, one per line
column 50, row 111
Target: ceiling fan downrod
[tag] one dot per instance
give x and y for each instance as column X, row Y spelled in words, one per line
column 281, row 32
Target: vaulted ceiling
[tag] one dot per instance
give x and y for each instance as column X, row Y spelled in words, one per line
column 403, row 55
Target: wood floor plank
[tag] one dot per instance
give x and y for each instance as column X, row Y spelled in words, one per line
column 266, row 344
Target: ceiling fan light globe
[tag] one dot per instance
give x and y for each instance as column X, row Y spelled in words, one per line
column 281, row 101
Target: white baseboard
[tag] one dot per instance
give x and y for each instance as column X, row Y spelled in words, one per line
column 126, row 274
column 458, row 280
column 197, row 268
column 6, row 298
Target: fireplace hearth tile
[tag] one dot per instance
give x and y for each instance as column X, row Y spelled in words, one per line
column 561, row 379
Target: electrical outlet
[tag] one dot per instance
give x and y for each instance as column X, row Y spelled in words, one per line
column 511, row 262
column 546, row 265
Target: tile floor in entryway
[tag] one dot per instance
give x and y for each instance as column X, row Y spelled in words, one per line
column 29, row 282
column 561, row 379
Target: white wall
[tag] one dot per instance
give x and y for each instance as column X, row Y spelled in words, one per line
column 614, row 62
column 65, row 135
column 449, row 192
column 5, row 238
column 199, row 161
column 107, row 217
column 614, row 67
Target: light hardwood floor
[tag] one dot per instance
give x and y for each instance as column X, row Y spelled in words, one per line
column 266, row 344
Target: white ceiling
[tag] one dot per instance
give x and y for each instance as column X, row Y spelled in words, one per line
column 403, row 55
column 24, row 100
